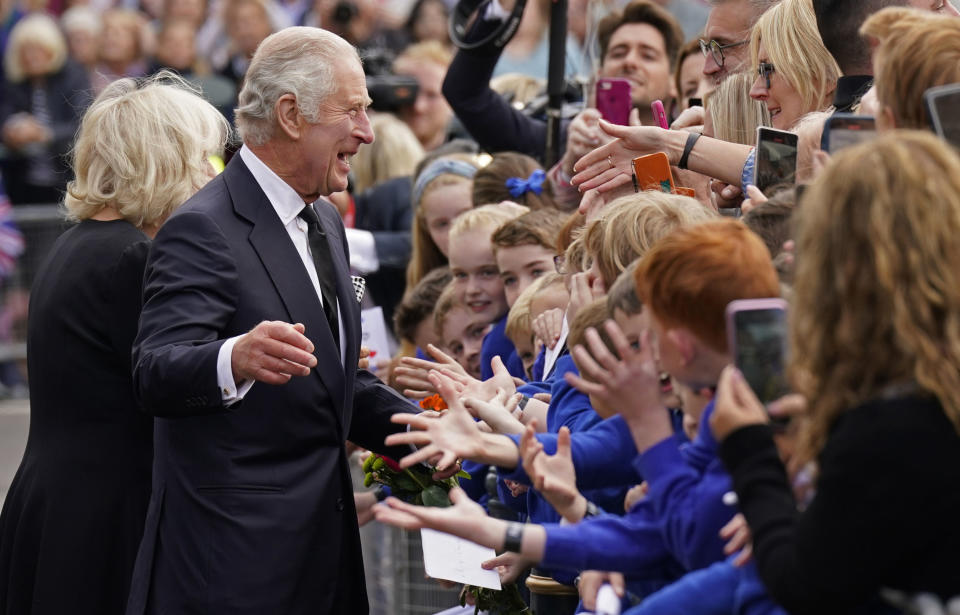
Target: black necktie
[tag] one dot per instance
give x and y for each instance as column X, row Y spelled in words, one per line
column 321, row 260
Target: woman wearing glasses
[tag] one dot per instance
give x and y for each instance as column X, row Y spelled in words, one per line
column 795, row 73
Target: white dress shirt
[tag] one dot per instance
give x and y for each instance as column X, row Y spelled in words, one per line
column 287, row 203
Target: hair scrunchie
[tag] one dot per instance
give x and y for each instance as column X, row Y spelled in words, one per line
column 518, row 186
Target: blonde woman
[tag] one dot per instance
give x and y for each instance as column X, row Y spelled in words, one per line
column 875, row 338
column 795, row 74
column 73, row 519
column 40, row 107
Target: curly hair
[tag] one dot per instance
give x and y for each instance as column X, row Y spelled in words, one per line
column 877, row 286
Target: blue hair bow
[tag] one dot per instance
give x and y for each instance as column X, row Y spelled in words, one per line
column 518, row 187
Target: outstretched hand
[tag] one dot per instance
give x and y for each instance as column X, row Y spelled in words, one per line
column 496, row 413
column 611, row 166
column 629, row 384
column 554, row 475
column 461, row 519
column 412, row 372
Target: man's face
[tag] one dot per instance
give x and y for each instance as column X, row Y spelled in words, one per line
column 637, row 53
column 475, row 275
column 429, row 114
column 520, row 265
column 342, row 126
column 728, row 23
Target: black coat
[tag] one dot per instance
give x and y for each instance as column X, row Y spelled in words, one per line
column 74, row 516
column 252, row 508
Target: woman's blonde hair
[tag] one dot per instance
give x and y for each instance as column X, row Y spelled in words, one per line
column 630, row 225
column 395, row 153
column 143, row 150
column 425, row 256
column 789, row 33
column 877, row 287
column 734, row 113
column 38, row 29
column 916, row 51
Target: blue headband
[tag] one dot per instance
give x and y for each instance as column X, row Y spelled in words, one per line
column 444, row 166
column 518, row 187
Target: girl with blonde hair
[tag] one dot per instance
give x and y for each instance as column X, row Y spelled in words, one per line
column 875, row 339
column 73, row 519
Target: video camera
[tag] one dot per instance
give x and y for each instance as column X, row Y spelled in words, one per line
column 388, row 91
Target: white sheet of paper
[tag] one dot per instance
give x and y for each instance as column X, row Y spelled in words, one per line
column 373, row 333
column 454, row 559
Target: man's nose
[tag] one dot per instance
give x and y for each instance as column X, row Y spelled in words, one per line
column 364, row 131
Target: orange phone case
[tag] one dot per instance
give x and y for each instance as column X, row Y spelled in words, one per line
column 690, row 192
column 653, row 172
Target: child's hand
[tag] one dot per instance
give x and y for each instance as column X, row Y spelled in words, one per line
column 547, row 327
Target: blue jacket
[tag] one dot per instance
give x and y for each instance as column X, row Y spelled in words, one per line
column 720, row 589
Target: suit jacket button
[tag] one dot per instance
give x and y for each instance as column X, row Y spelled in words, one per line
column 340, row 505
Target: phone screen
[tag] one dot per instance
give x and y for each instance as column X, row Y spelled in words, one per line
column 776, row 158
column 944, row 107
column 760, row 337
column 846, row 131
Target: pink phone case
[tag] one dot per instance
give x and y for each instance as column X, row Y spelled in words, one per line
column 744, row 305
column 613, row 100
column 659, row 114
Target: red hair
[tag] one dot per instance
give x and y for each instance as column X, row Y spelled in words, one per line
column 690, row 276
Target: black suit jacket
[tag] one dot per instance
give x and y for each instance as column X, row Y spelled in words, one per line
column 252, row 508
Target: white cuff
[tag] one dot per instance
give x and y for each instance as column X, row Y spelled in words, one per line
column 230, row 393
column 495, row 11
column 363, row 251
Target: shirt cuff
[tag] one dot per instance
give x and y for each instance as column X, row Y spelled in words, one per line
column 230, row 393
column 363, row 251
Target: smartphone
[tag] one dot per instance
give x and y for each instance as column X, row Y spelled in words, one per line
column 845, row 129
column 776, row 158
column 659, row 114
column 757, row 338
column 653, row 172
column 694, row 102
column 613, row 100
column 690, row 192
column 943, row 105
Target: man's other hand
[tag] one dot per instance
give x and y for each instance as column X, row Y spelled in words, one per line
column 272, row 352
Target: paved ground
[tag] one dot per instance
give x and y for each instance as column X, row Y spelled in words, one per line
column 14, row 420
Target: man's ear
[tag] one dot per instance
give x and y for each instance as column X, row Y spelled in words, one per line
column 288, row 116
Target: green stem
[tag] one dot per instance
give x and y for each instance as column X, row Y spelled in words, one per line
column 411, row 475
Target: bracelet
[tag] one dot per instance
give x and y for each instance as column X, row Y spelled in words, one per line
column 522, row 404
column 691, row 141
column 514, row 538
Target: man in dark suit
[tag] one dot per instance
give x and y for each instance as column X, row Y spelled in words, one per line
column 252, row 508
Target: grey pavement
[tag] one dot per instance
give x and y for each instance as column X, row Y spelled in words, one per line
column 14, row 420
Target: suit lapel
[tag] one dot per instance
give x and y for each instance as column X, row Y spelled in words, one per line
column 283, row 264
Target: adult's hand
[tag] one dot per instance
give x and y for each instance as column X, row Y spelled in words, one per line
column 592, row 580
column 583, row 135
column 611, row 166
column 272, row 352
column 737, row 406
column 629, row 384
column 755, row 198
column 692, row 118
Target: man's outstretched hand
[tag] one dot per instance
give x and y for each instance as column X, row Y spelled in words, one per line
column 272, row 352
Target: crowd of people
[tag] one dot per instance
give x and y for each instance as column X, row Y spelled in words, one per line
column 197, row 384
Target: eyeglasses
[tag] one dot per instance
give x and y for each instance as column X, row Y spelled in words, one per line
column 560, row 263
column 716, row 49
column 765, row 70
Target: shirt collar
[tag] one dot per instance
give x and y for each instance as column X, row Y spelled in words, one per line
column 285, row 200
